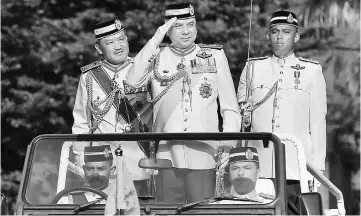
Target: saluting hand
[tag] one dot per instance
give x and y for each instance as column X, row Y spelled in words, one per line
column 161, row 31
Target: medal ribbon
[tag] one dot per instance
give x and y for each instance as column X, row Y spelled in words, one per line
column 182, row 52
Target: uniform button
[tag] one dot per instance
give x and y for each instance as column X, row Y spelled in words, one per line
column 278, row 107
column 186, row 100
column 278, row 126
column 205, row 78
column 185, row 129
column 280, row 80
column 277, row 116
column 186, row 110
column 282, row 66
column 281, row 72
column 185, row 119
column 279, row 88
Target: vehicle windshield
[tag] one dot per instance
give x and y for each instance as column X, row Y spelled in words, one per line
column 58, row 164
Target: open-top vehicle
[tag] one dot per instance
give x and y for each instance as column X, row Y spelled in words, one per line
column 52, row 171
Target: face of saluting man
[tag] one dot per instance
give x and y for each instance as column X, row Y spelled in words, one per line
column 183, row 33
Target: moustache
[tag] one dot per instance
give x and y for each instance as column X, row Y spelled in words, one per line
column 98, row 182
column 243, row 185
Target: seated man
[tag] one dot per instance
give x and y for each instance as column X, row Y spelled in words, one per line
column 243, row 169
column 98, row 168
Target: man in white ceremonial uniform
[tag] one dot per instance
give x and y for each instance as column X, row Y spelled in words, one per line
column 244, row 171
column 186, row 81
column 106, row 104
column 98, row 168
column 285, row 94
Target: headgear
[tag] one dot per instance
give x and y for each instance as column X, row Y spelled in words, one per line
column 283, row 17
column 243, row 154
column 179, row 10
column 108, row 28
column 98, row 153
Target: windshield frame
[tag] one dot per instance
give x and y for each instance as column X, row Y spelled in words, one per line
column 277, row 206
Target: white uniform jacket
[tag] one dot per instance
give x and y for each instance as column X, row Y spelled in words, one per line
column 195, row 112
column 298, row 106
column 111, row 123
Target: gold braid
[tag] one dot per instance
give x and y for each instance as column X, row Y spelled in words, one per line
column 181, row 73
column 98, row 114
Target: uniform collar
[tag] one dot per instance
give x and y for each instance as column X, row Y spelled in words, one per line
column 252, row 195
column 182, row 52
column 289, row 59
column 116, row 68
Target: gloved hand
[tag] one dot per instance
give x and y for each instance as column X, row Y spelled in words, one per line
column 161, row 31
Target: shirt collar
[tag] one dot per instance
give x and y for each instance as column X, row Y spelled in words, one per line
column 252, row 195
column 281, row 61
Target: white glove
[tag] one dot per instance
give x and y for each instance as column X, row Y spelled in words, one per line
column 161, row 31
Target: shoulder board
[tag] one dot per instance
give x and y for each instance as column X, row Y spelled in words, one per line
column 266, row 196
column 308, row 60
column 85, row 68
column 164, row 44
column 211, row 46
column 257, row 58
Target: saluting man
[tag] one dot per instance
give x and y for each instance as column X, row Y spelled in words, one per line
column 106, row 104
column 287, row 94
column 186, row 80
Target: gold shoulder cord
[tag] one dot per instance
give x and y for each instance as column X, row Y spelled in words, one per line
column 219, row 175
column 171, row 79
column 97, row 114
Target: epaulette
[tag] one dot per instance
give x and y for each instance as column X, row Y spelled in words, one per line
column 308, row 60
column 85, row 68
column 266, row 196
column 164, row 44
column 211, row 46
column 257, row 58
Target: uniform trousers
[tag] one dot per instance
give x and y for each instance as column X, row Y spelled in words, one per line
column 179, row 185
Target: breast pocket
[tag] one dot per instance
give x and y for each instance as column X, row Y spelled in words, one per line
column 293, row 95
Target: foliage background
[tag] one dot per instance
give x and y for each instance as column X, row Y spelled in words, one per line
column 45, row 42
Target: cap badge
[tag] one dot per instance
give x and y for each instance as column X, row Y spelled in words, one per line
column 249, row 154
column 191, row 10
column 118, row 24
column 106, row 153
column 290, row 18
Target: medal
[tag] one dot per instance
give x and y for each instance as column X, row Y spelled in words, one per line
column 205, row 90
column 297, row 75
